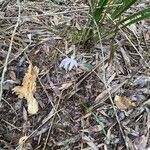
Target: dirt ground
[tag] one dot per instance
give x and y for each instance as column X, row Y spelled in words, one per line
column 102, row 104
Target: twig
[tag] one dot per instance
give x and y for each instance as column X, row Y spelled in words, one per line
column 9, row 51
column 11, row 125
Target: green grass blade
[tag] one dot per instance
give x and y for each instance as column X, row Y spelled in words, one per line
column 122, row 8
column 141, row 15
column 100, row 9
column 96, row 8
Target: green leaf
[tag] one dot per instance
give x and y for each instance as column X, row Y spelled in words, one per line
column 100, row 9
column 126, row 4
column 141, row 15
column 86, row 66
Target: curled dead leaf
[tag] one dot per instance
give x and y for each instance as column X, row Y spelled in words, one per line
column 28, row 89
column 123, row 103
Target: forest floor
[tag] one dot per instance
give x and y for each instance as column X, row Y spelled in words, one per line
column 94, row 101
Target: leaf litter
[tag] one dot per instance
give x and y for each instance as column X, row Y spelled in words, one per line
column 45, row 32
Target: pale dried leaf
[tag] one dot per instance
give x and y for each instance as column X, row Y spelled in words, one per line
column 78, row 26
column 123, row 103
column 12, row 75
column 111, row 79
column 147, row 36
column 96, row 128
column 28, row 88
column 65, row 86
column 133, row 28
column 25, row 117
column 29, row 36
column 103, row 94
column 22, row 142
column 56, row 20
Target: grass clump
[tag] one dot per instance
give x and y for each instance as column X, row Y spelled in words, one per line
column 108, row 16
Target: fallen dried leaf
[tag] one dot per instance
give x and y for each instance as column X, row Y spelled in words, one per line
column 147, row 36
column 103, row 94
column 56, row 20
column 78, row 26
column 65, row 86
column 12, row 75
column 22, row 140
column 28, row 89
column 123, row 103
column 22, row 143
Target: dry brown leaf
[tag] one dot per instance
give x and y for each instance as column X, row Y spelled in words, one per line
column 28, row 88
column 123, row 103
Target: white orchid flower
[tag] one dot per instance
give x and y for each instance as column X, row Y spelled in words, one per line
column 68, row 63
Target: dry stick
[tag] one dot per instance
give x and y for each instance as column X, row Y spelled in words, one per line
column 9, row 51
column 105, row 83
column 11, row 125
